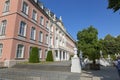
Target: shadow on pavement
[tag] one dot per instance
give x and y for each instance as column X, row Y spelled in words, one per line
column 105, row 73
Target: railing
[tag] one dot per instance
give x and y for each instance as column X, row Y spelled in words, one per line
column 15, row 74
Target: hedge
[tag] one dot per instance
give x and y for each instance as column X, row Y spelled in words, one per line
column 34, row 55
column 49, row 56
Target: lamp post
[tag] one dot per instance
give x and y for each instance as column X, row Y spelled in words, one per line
column 81, row 57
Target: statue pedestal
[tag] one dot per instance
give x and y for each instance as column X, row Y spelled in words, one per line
column 75, row 67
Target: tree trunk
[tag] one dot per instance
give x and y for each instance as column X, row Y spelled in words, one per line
column 94, row 66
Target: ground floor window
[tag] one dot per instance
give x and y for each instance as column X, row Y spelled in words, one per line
column 1, row 47
column 56, row 53
column 63, row 55
column 46, row 53
column 30, row 49
column 40, row 53
column 20, row 51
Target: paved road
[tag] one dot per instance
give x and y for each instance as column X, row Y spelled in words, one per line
column 106, row 73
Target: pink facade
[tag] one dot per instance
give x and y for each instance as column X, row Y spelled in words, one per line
column 13, row 37
column 25, row 24
column 70, row 44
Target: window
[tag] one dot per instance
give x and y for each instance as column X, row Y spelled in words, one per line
column 46, row 53
column 46, row 39
column 40, row 53
column 20, row 51
column 47, row 25
column 6, row 6
column 3, row 27
column 56, row 40
column 41, row 20
column 51, row 28
column 57, row 31
column 63, row 55
column 56, row 53
column 25, row 8
column 51, row 42
column 33, row 33
column 34, row 15
column 30, row 49
column 1, row 47
column 40, row 36
column 22, row 31
column 36, row 1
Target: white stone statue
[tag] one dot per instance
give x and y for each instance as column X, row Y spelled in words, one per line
column 101, row 54
column 75, row 63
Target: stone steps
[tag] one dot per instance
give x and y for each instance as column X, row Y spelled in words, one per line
column 1, row 64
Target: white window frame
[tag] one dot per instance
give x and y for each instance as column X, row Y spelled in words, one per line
column 51, row 41
column 1, row 49
column 25, row 8
column 34, row 15
column 46, row 51
column 33, row 33
column 41, row 20
column 3, row 27
column 47, row 24
column 46, row 39
column 40, row 53
column 6, row 6
column 19, row 52
column 23, row 28
column 40, row 36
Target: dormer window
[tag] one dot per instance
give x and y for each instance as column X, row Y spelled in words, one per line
column 40, row 5
column 36, row 1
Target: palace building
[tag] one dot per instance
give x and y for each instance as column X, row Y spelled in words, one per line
column 27, row 23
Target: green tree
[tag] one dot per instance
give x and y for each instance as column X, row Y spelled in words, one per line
column 49, row 56
column 110, row 45
column 114, row 5
column 34, row 55
column 88, row 43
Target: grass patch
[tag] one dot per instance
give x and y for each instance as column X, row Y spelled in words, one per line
column 42, row 62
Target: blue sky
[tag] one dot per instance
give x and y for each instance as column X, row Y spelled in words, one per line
column 80, row 14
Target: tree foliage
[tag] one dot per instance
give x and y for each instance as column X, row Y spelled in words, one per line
column 34, row 55
column 114, row 5
column 88, row 42
column 110, row 44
